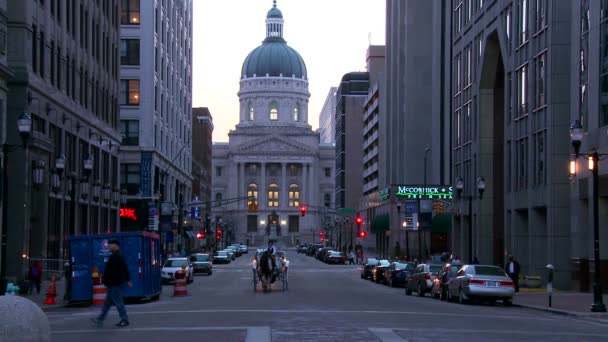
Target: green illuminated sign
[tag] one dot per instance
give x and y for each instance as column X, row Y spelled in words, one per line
column 428, row 192
column 384, row 194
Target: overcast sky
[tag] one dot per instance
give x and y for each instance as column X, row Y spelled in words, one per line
column 331, row 35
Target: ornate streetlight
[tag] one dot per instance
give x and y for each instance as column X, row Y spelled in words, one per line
column 481, row 187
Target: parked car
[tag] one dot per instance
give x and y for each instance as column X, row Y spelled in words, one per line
column 312, row 250
column 244, row 249
column 397, row 273
column 173, row 265
column 322, row 252
column 440, row 283
column 366, row 271
column 378, row 271
column 336, row 258
column 231, row 254
column 486, row 282
column 302, row 248
column 201, row 263
column 421, row 281
column 221, row 257
column 235, row 250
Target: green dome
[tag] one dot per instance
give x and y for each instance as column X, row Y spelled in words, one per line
column 274, row 13
column 274, row 57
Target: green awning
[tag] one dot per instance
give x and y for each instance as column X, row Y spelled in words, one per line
column 380, row 224
column 441, row 223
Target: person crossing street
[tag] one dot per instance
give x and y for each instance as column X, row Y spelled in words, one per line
column 115, row 276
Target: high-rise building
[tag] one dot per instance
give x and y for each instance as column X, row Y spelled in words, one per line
column 350, row 98
column 373, row 112
column 63, row 180
column 510, row 115
column 588, row 86
column 202, row 130
column 156, row 109
column 413, row 137
column 327, row 118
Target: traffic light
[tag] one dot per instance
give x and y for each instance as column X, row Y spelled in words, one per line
column 218, row 234
column 200, row 236
column 362, row 233
column 358, row 220
column 303, row 210
column 321, row 234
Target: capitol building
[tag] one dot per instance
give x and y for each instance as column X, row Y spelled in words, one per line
column 274, row 161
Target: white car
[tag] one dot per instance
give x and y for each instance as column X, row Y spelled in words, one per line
column 173, row 265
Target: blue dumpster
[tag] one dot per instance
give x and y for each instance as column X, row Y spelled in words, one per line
column 141, row 251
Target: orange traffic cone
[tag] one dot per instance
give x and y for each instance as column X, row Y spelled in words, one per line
column 99, row 290
column 51, row 293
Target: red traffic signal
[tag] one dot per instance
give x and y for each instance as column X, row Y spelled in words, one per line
column 362, row 233
column 218, row 234
column 358, row 220
column 200, row 236
column 303, row 210
column 321, row 234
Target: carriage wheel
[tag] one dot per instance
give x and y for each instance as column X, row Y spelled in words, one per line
column 254, row 280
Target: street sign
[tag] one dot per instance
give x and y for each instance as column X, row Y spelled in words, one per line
column 424, row 192
column 346, row 211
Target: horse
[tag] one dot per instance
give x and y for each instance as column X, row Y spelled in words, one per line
column 266, row 268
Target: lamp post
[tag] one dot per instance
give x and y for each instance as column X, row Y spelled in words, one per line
column 576, row 137
column 24, row 126
column 481, row 186
column 404, row 227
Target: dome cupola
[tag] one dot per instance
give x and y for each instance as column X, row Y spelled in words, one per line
column 274, row 57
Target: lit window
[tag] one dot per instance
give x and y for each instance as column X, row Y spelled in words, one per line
column 129, row 12
column 294, row 195
column 274, row 111
column 129, row 92
column 273, row 195
column 252, row 193
column 296, row 113
column 251, row 111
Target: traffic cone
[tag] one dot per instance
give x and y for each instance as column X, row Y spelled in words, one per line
column 51, row 293
column 181, row 288
column 99, row 290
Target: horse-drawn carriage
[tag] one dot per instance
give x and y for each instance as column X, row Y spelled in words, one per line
column 268, row 269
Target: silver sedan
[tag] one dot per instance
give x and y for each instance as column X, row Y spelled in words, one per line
column 485, row 282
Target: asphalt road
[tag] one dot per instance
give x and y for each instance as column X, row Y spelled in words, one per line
column 323, row 303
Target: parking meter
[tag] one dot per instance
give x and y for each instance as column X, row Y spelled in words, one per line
column 550, row 270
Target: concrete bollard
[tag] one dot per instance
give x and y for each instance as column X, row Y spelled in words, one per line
column 22, row 320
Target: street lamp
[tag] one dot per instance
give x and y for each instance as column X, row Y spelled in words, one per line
column 407, row 238
column 38, row 172
column 576, row 138
column 24, row 127
column 481, row 187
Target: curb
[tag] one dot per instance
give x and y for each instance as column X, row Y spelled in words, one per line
column 598, row 317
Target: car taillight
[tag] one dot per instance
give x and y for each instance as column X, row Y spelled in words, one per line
column 506, row 283
column 397, row 272
column 427, row 276
column 476, row 282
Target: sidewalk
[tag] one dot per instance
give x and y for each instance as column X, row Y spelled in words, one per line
column 40, row 298
column 576, row 304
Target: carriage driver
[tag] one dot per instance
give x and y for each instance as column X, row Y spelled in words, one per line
column 271, row 249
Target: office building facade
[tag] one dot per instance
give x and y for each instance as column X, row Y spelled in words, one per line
column 156, row 112
column 327, row 118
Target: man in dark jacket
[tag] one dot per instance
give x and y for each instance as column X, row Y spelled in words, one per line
column 115, row 275
column 512, row 269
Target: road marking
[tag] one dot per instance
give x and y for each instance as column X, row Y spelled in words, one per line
column 254, row 334
column 386, row 335
column 287, row 311
column 258, row 334
column 498, row 331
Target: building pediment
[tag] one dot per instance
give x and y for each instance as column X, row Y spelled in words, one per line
column 273, row 146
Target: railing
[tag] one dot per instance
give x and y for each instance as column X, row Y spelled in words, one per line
column 49, row 267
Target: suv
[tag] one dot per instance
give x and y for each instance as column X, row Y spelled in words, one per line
column 201, row 263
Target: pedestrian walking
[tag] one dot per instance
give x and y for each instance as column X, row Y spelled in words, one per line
column 116, row 274
column 360, row 256
column 456, row 261
column 352, row 257
column 512, row 268
column 35, row 276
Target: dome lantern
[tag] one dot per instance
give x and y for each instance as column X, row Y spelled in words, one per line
column 274, row 22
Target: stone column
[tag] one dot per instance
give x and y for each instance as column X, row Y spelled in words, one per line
column 284, row 196
column 263, row 201
column 243, row 182
column 304, row 188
